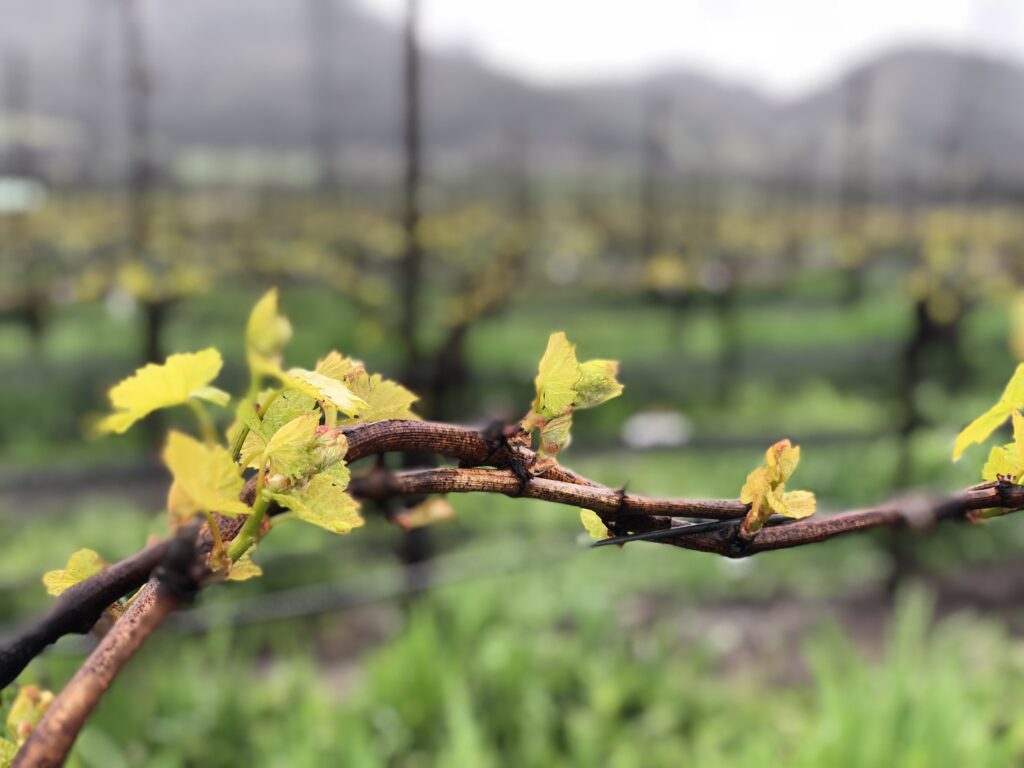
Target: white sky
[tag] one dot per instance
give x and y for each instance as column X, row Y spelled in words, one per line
column 782, row 45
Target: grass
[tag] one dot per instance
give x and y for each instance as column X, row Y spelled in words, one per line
column 548, row 675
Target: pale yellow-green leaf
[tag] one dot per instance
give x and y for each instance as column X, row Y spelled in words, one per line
column 1018, row 436
column 212, row 395
column 288, row 405
column 206, row 474
column 180, row 506
column 979, row 430
column 1002, row 462
column 321, row 387
column 176, row 381
column 266, row 334
column 554, row 436
column 764, row 489
column 782, row 460
column 594, row 525
column 246, row 414
column 252, row 450
column 288, row 449
column 335, row 366
column 798, row 504
column 598, row 383
column 756, row 486
column 244, row 569
column 339, row 474
column 385, row 399
column 1007, row 461
column 322, row 502
column 557, row 376
column 82, row 565
column 26, row 711
column 246, row 417
column 774, row 502
column 1013, row 396
column 8, row 749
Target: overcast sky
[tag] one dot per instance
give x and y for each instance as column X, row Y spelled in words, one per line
column 782, row 45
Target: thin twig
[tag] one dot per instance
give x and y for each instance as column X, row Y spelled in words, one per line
column 379, row 485
column 651, row 518
column 915, row 512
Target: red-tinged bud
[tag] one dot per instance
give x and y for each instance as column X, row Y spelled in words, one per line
column 277, row 482
column 329, row 447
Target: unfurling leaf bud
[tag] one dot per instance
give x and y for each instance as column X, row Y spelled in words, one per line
column 277, row 482
column 329, row 447
column 26, row 711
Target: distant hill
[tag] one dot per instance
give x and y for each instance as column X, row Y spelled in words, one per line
column 234, row 74
column 928, row 118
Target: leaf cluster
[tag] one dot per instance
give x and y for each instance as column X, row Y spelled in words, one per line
column 563, row 386
column 287, row 434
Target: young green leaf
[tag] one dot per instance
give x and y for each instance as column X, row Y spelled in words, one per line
column 979, row 430
column 26, row 711
column 205, row 475
column 322, row 501
column 244, row 569
column 286, row 407
column 179, row 379
column 557, row 377
column 384, row 399
column 765, row 489
column 288, row 449
column 266, row 335
column 180, row 506
column 598, row 383
column 323, row 388
column 82, row 565
column 1002, row 462
column 246, row 414
column 8, row 749
column 554, row 436
column 793, row 504
column 335, row 366
column 564, row 385
column 1007, row 461
column 594, row 524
